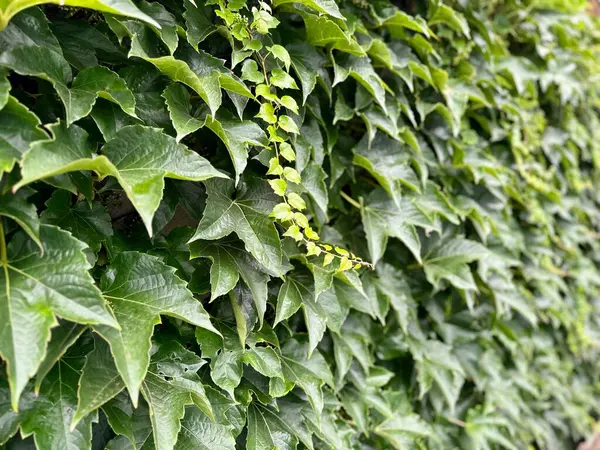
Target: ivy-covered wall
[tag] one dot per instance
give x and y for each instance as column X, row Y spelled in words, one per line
column 310, row 224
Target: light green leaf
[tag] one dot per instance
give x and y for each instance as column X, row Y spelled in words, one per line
column 281, row 54
column 323, row 32
column 247, row 215
column 36, row 287
column 283, row 80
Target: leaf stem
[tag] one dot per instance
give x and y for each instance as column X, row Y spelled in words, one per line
column 458, row 422
column 3, row 256
column 350, row 200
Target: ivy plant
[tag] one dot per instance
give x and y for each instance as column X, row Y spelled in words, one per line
column 299, row 224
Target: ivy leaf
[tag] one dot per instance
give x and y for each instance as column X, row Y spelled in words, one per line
column 168, row 25
column 91, row 225
column 438, row 367
column 99, row 383
column 120, row 7
column 20, row 128
column 309, row 65
column 449, row 259
column 49, row 417
column 198, row 25
column 361, row 70
column 138, row 308
column 63, row 337
column 323, row 32
column 387, row 163
column 94, row 82
column 131, row 424
column 237, row 135
column 4, row 88
column 35, row 288
column 308, row 374
column 401, row 432
column 266, row 430
column 485, row 429
column 322, row 6
column 17, row 208
column 229, row 261
column 198, row 431
column 171, row 384
column 382, row 219
column 142, row 158
column 247, row 215
column 296, row 292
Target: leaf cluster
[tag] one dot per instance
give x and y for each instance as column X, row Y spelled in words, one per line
column 289, row 224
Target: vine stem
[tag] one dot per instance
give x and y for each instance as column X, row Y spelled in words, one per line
column 3, row 256
column 350, row 200
column 458, row 422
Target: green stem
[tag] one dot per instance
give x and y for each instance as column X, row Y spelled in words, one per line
column 350, row 200
column 3, row 256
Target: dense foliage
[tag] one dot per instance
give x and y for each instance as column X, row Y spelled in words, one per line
column 294, row 224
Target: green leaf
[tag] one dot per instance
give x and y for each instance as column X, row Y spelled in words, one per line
column 288, row 124
column 95, row 82
column 309, row 65
column 178, row 102
column 17, row 208
column 265, row 361
column 401, row 432
column 35, row 288
column 142, row 158
column 361, row 70
column 266, row 431
column 49, row 417
column 229, row 262
column 168, row 25
column 438, row 367
column 138, row 308
column 282, row 80
column 100, row 381
column 63, row 337
column 226, row 370
column 91, row 225
column 20, row 128
column 449, row 261
column 296, row 292
column 198, row 431
column 250, row 72
column 247, row 215
column 323, row 6
column 382, row 219
column 119, row 7
column 388, row 162
column 323, row 32
column 198, row 25
column 4, row 89
column 281, row 54
column 308, row 374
